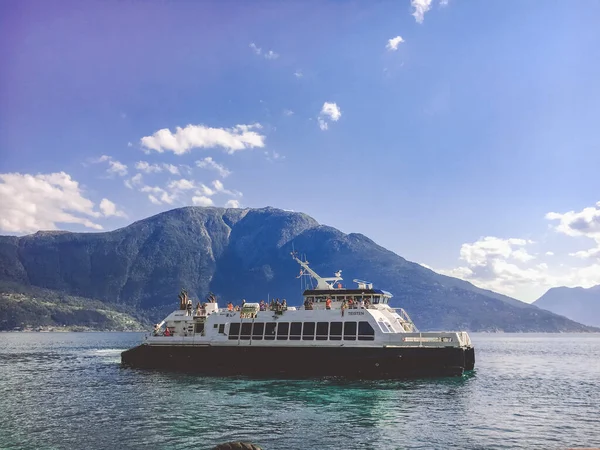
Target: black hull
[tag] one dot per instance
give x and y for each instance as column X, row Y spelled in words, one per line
column 299, row 362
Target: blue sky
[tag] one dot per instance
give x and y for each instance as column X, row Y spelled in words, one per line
column 451, row 149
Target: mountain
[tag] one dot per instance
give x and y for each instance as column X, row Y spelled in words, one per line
column 579, row 304
column 245, row 253
column 33, row 308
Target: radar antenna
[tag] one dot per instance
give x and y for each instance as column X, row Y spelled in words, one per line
column 322, row 283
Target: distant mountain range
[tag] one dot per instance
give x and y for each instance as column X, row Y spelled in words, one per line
column 245, row 253
column 579, row 304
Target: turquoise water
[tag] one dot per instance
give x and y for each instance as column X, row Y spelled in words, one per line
column 68, row 391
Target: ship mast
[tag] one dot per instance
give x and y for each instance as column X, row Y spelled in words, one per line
column 322, row 283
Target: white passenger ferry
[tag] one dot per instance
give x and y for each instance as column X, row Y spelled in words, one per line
column 337, row 332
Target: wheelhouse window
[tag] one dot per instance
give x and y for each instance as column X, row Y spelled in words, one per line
column 246, row 331
column 221, row 328
column 199, row 328
column 322, row 331
column 282, row 331
column 295, row 331
column 234, row 330
column 257, row 331
column 308, row 332
column 349, row 331
column 270, row 329
column 376, row 299
column 365, row 331
column 335, row 331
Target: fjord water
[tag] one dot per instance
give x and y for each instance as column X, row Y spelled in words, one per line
column 68, row 391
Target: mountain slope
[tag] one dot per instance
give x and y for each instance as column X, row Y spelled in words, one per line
column 28, row 307
column 246, row 254
column 579, row 304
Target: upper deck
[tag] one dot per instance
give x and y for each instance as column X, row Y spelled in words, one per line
column 330, row 316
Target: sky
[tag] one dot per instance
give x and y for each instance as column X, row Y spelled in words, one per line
column 462, row 135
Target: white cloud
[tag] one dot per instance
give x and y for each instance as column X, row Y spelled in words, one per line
column 205, row 190
column 489, row 265
column 135, row 180
column 114, row 167
column 332, row 110
column 274, row 156
column 171, row 169
column 288, row 112
column 298, row 74
column 209, row 163
column 108, row 208
column 129, row 144
column 582, row 223
column 504, row 265
column 267, row 55
column 522, row 255
column 219, row 187
column 154, row 200
column 144, row 166
column 159, row 195
column 182, row 184
column 201, row 200
column 329, row 112
column 479, row 252
column 183, row 140
column 393, row 43
column 232, row 204
column 256, row 49
column 585, row 254
column 421, row 7
column 29, row 203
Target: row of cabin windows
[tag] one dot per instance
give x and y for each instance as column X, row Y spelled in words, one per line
column 295, row 331
column 374, row 299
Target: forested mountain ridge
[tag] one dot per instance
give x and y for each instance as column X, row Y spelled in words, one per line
column 245, row 253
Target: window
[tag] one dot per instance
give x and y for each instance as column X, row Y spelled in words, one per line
column 270, row 331
column 222, row 328
column 295, row 331
column 376, row 299
column 215, row 325
column 257, row 331
column 365, row 332
column 335, row 331
column 383, row 326
column 246, row 331
column 349, row 331
column 282, row 331
column 308, row 333
column 199, row 327
column 322, row 331
column 234, row 330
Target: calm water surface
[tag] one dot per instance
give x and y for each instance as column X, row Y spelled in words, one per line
column 68, row 391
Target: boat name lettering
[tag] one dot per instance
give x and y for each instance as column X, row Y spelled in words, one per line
column 356, row 313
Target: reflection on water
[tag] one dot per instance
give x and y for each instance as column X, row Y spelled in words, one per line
column 64, row 391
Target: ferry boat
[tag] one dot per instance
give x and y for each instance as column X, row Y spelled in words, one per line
column 347, row 332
